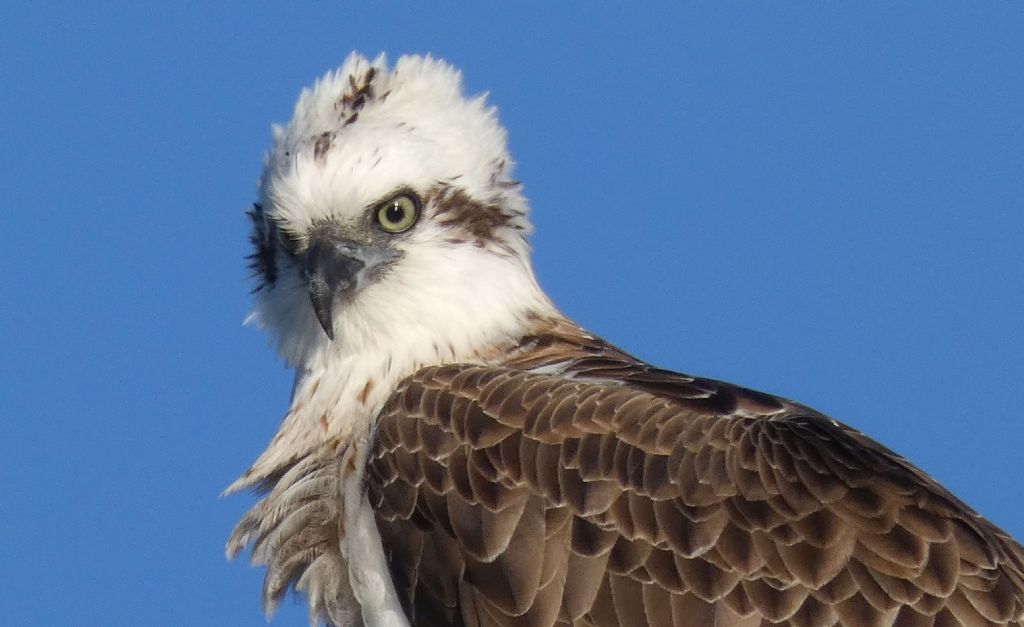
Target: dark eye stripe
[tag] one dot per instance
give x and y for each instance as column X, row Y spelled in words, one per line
column 262, row 261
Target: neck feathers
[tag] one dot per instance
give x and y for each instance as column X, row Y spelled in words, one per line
column 342, row 385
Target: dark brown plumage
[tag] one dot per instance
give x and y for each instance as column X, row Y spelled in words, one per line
column 606, row 492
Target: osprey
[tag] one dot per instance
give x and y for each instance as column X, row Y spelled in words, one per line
column 458, row 452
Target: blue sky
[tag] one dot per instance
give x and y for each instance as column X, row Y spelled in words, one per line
column 823, row 202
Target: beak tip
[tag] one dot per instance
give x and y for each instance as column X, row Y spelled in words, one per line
column 323, row 309
column 326, row 323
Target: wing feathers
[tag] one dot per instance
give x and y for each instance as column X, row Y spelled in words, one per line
column 571, row 501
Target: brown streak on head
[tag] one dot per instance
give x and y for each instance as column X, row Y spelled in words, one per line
column 359, row 93
column 323, row 422
column 322, row 143
column 475, row 220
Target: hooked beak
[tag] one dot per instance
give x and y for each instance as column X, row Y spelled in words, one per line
column 331, row 266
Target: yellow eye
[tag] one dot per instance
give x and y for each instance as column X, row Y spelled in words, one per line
column 399, row 213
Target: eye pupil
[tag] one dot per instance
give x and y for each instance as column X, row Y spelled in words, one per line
column 395, row 213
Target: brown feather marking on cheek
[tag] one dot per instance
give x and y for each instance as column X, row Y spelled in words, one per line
column 470, row 219
column 323, row 422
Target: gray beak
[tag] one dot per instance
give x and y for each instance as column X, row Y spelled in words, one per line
column 331, row 266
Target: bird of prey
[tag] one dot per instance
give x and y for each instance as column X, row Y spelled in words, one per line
column 458, row 452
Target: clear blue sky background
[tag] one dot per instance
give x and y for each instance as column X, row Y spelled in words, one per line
column 820, row 202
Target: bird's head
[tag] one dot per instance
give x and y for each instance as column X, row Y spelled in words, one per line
column 388, row 216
